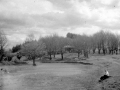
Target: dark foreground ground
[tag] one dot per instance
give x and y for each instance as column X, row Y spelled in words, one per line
column 63, row 76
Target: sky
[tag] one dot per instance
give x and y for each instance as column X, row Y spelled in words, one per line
column 19, row 18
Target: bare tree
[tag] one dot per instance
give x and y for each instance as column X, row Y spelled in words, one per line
column 78, row 45
column 62, row 41
column 49, row 42
column 86, row 44
column 33, row 49
column 93, row 43
column 3, row 44
column 101, row 41
column 81, row 43
column 55, row 43
column 112, row 42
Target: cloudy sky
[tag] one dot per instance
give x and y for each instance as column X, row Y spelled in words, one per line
column 18, row 18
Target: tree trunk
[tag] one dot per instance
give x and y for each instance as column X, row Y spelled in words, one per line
column 50, row 56
column 61, row 55
column 109, row 51
column 54, row 54
column 99, row 51
column 116, row 52
column 86, row 53
column 78, row 54
column 34, row 61
column 104, row 51
column 112, row 51
column 1, row 54
column 1, row 58
column 93, row 51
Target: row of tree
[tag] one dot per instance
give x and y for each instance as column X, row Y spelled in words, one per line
column 48, row 45
column 106, row 42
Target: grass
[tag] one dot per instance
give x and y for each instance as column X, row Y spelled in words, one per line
column 68, row 74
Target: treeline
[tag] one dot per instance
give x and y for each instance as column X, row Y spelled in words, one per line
column 101, row 42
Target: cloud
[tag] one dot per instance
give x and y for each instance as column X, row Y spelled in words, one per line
column 61, row 4
column 11, row 21
column 59, row 20
column 44, row 17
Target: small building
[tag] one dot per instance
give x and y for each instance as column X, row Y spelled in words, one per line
column 68, row 48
